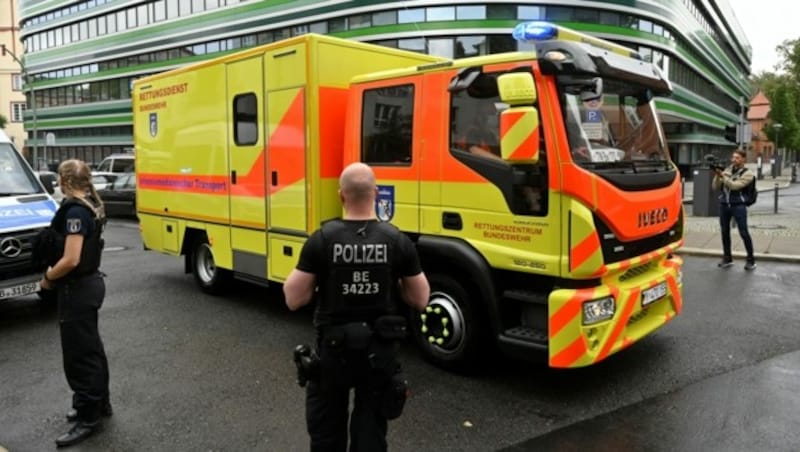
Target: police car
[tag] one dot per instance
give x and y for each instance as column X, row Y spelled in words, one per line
column 25, row 209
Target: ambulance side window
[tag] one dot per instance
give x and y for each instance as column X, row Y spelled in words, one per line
column 386, row 125
column 245, row 119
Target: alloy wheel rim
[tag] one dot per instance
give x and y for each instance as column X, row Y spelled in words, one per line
column 442, row 323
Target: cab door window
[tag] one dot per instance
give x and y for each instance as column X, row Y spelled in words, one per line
column 475, row 141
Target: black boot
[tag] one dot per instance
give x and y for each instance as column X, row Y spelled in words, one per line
column 105, row 411
column 79, row 432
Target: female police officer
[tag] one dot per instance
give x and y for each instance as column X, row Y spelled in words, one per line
column 356, row 263
column 78, row 226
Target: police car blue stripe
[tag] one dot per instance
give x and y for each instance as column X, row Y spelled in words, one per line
column 15, row 215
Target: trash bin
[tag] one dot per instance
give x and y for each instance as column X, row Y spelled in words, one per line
column 704, row 200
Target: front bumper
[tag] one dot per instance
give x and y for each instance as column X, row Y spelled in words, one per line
column 575, row 344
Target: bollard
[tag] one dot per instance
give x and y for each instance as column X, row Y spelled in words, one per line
column 776, row 198
column 683, row 189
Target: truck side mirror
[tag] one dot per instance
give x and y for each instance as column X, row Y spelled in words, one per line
column 519, row 124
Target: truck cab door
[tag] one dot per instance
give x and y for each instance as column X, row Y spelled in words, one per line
column 387, row 144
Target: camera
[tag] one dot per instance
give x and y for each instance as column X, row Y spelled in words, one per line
column 307, row 363
column 713, row 162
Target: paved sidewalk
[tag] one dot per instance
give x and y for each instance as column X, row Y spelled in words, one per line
column 775, row 236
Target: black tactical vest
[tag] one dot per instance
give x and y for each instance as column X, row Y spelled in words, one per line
column 361, row 278
column 92, row 245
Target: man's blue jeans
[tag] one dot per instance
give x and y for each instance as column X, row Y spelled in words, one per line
column 739, row 213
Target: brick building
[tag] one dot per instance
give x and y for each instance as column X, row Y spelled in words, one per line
column 757, row 117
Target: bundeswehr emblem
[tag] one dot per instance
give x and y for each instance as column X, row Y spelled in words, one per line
column 384, row 203
column 153, row 124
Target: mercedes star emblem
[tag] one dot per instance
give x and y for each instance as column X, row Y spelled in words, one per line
column 10, row 247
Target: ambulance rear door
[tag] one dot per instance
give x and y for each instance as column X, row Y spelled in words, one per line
column 247, row 160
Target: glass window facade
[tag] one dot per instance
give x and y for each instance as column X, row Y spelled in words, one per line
column 109, row 79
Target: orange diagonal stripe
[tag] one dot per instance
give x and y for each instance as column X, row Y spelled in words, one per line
column 567, row 356
column 619, row 325
column 584, row 250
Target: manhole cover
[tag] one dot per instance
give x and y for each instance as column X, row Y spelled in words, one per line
column 767, row 226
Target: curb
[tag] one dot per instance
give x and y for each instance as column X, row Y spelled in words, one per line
column 759, row 256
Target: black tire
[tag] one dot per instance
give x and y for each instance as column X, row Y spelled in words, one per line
column 451, row 331
column 210, row 278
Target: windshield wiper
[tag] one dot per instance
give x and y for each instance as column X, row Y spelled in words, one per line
column 607, row 165
column 635, row 166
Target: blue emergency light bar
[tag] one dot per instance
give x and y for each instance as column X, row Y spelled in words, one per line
column 541, row 31
column 534, row 31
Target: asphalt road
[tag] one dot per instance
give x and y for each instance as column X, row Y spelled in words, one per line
column 194, row 372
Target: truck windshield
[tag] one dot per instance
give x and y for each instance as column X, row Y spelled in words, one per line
column 15, row 177
column 614, row 126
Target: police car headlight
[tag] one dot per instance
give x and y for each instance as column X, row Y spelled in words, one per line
column 595, row 311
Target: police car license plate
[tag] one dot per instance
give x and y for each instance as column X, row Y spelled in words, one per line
column 654, row 293
column 20, row 290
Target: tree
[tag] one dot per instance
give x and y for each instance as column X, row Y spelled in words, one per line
column 783, row 111
column 787, row 94
column 767, row 82
column 789, row 54
column 3, row 122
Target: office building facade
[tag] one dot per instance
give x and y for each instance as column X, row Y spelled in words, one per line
column 82, row 56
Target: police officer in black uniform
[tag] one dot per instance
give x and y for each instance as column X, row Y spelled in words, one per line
column 358, row 264
column 74, row 273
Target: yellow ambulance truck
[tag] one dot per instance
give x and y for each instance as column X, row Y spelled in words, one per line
column 537, row 185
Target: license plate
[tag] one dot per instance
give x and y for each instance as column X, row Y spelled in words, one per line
column 20, row 290
column 654, row 293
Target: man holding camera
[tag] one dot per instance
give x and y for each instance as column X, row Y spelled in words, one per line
column 358, row 264
column 731, row 183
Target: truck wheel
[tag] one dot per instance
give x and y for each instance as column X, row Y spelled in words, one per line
column 209, row 277
column 449, row 332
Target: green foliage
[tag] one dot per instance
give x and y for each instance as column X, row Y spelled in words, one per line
column 783, row 91
column 767, row 82
column 783, row 110
column 3, row 122
column 789, row 53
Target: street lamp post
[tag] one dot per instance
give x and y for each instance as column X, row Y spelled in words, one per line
column 776, row 160
column 32, row 97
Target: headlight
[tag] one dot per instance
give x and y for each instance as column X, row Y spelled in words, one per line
column 598, row 310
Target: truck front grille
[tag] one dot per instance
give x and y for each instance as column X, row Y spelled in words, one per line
column 12, row 265
column 615, row 250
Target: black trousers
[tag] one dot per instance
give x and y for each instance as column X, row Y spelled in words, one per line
column 327, row 403
column 85, row 362
column 739, row 213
